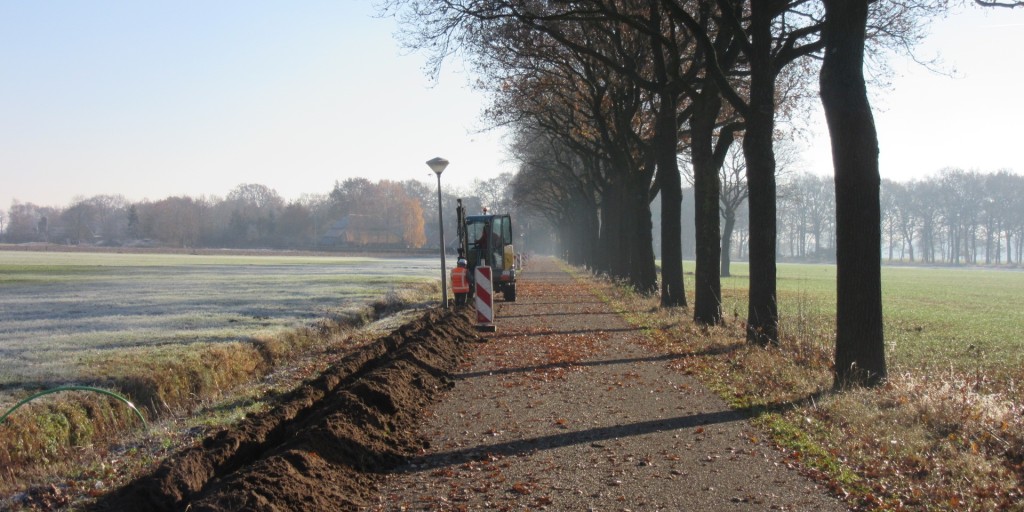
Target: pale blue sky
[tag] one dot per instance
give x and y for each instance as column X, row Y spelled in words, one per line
column 928, row 121
column 157, row 98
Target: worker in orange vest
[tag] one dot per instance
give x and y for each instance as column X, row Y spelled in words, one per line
column 460, row 282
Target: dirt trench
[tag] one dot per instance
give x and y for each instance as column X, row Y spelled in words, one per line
column 323, row 446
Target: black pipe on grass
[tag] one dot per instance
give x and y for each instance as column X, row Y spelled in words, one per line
column 76, row 388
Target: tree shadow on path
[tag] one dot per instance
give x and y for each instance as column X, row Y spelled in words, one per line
column 592, row 436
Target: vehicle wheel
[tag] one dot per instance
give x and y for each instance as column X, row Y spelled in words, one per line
column 510, row 293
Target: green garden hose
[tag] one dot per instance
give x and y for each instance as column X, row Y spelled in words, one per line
column 75, row 388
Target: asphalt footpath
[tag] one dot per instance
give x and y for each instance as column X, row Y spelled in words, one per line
column 563, row 408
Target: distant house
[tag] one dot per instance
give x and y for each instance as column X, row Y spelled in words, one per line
column 362, row 231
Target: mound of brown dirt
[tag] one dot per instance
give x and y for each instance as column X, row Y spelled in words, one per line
column 322, row 446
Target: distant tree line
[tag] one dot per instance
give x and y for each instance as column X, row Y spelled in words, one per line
column 954, row 217
column 256, row 216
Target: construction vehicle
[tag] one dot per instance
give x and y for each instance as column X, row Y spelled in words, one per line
column 487, row 240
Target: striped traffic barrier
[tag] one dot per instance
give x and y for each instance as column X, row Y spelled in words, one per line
column 484, row 299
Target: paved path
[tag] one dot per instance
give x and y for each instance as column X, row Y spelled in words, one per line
column 562, row 410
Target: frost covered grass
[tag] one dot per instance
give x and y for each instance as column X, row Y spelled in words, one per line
column 946, row 432
column 171, row 331
column 60, row 312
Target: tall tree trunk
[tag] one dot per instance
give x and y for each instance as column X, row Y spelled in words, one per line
column 666, row 143
column 591, row 236
column 612, row 254
column 954, row 245
column 580, row 239
column 892, row 240
column 672, row 290
column 643, row 275
column 988, row 243
column 1018, row 248
column 928, row 244
column 707, row 302
column 565, row 242
column 860, row 347
column 727, row 229
column 762, row 309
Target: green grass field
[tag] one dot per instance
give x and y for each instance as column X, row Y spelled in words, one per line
column 945, row 432
column 936, row 319
column 67, row 316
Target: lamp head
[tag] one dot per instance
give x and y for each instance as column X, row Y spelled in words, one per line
column 437, row 165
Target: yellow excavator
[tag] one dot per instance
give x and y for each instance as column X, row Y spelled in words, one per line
column 486, row 239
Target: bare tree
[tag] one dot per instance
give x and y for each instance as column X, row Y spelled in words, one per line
column 254, row 210
column 994, row 3
column 176, row 220
column 111, row 219
column 23, row 222
column 771, row 36
column 734, row 196
column 1005, row 207
column 900, row 218
column 78, row 221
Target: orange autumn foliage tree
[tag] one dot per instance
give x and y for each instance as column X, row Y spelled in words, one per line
column 402, row 214
column 413, row 223
column 381, row 213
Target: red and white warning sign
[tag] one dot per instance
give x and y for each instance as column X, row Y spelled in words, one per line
column 484, row 301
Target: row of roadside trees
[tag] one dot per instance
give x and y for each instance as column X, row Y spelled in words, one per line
column 605, row 95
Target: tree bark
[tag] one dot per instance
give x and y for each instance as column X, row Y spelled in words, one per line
column 612, row 259
column 860, row 346
column 589, row 238
column 707, row 302
column 672, row 288
column 626, row 231
column 643, row 275
column 727, row 229
column 666, row 151
column 762, row 310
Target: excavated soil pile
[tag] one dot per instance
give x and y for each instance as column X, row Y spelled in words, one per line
column 322, row 446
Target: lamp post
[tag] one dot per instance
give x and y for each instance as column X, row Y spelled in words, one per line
column 438, row 165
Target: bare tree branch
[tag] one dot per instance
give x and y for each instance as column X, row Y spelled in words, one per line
column 987, row 3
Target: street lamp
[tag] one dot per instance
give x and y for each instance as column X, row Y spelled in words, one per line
column 438, row 165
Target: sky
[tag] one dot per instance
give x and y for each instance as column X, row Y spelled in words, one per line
column 960, row 116
column 160, row 98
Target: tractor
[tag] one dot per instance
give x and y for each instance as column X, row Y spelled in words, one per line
column 487, row 240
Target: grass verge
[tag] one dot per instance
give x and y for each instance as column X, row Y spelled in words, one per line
column 926, row 440
column 75, row 444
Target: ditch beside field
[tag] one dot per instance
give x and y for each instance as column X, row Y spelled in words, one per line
column 172, row 332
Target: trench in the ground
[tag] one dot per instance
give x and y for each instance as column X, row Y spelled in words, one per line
column 354, row 419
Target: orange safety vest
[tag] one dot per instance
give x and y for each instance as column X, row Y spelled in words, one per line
column 460, row 283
